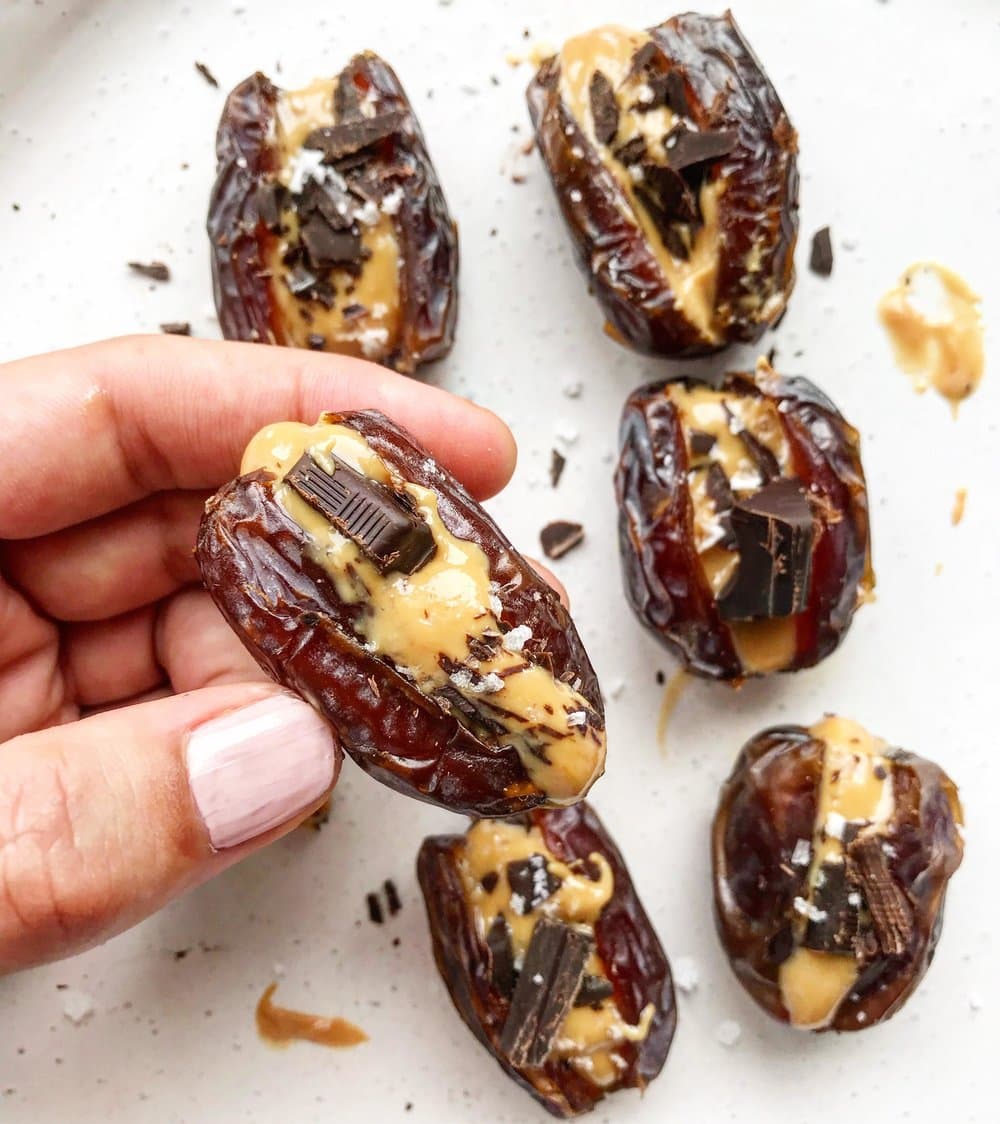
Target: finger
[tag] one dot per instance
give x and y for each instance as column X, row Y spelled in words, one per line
column 98, row 427
column 104, row 820
column 197, row 648
column 112, row 564
column 107, row 661
column 547, row 576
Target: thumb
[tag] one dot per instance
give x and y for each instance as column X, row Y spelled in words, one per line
column 104, row 820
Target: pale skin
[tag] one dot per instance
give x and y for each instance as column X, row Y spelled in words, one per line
column 110, row 652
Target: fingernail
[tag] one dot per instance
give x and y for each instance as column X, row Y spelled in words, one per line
column 257, row 767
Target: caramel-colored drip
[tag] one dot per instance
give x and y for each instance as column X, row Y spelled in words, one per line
column 610, row 50
column 668, row 704
column 945, row 353
column 280, row 1025
column 375, row 333
column 438, row 614
column 857, row 785
column 958, row 507
column 590, row 1038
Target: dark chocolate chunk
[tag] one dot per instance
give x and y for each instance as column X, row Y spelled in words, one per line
column 330, row 200
column 206, row 74
column 351, row 137
column 346, row 100
column 593, row 990
column 501, row 950
column 316, row 341
column 556, row 466
column 603, row 107
column 375, row 517
column 489, row 881
column 300, row 280
column 154, row 270
column 686, row 148
column 674, row 93
column 890, row 909
column 176, row 328
column 328, row 247
column 546, row 987
column 631, row 152
column 374, row 909
column 761, row 455
column 674, row 240
column 272, row 198
column 643, row 59
column 560, row 537
column 392, row 897
column 701, row 443
column 672, row 193
column 833, row 927
column 354, row 311
column 531, row 883
column 821, row 254
column 773, row 528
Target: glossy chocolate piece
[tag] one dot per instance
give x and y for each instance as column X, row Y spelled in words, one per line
column 880, row 909
column 734, row 132
column 379, row 157
column 664, row 576
column 638, row 973
column 449, row 749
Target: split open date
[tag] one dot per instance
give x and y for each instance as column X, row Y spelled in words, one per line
column 674, row 164
column 831, row 853
column 328, row 225
column 743, row 521
column 362, row 575
column 548, row 954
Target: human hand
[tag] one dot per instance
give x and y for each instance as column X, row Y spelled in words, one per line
column 108, row 453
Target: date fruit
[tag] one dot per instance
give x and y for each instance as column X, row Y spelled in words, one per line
column 548, row 954
column 328, row 226
column 743, row 521
column 363, row 576
column 674, row 164
column 831, row 854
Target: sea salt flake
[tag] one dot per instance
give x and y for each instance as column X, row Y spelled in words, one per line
column 686, row 974
column 728, row 1032
column 576, row 718
column 515, row 640
column 802, row 855
column 834, row 826
column 78, row 1006
column 392, row 201
column 808, row 910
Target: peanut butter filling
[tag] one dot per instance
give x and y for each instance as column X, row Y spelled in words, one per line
column 590, row 1037
column 374, row 332
column 611, row 50
column 762, row 645
column 281, row 1025
column 944, row 352
column 856, row 788
column 438, row 614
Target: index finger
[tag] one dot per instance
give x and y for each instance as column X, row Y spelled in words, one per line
column 96, row 427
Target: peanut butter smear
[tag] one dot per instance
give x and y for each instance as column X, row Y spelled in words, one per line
column 433, row 618
column 280, row 1025
column 944, row 351
column 958, row 507
column 668, row 704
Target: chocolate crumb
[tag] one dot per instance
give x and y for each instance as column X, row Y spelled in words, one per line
column 489, row 881
column 660, row 678
column 176, row 328
column 603, row 107
column 374, row 909
column 392, row 897
column 180, row 953
column 560, row 537
column 821, row 254
column 206, row 74
column 154, row 270
column 556, row 466
column 315, row 341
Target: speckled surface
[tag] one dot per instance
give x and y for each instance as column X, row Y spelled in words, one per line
column 106, row 146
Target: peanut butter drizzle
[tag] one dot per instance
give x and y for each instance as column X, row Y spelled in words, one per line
column 765, row 645
column 375, row 334
column 958, row 507
column 814, row 983
column 280, row 1025
column 610, row 49
column 668, row 704
column 945, row 353
column 589, row 1038
column 416, row 619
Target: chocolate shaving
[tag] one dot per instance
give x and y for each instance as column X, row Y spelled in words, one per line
column 374, row 909
column 593, row 990
column 671, row 191
column 835, row 925
column 701, row 443
column 673, row 92
column 764, row 460
column 154, row 270
column 686, row 148
column 392, row 897
column 560, row 537
column 351, row 137
column 890, row 909
column 489, row 881
column 501, row 950
column 821, row 253
column 315, row 341
column 632, row 151
column 272, row 198
column 532, row 882
column 718, row 490
column 328, row 247
column 372, row 515
column 603, row 107
column 556, row 466
column 774, row 533
column 546, row 987
column 206, row 74
column 176, row 328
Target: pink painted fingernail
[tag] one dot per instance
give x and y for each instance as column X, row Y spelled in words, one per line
column 260, row 766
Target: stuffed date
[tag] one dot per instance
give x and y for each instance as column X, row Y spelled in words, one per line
column 743, row 521
column 548, row 954
column 831, row 854
column 363, row 576
column 328, row 226
column 674, row 164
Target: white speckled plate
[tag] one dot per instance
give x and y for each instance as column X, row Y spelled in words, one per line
column 106, row 145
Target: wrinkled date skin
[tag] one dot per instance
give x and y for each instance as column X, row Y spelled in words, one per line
column 768, row 804
column 624, row 938
column 758, row 209
column 286, row 611
column 663, row 576
column 240, row 240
